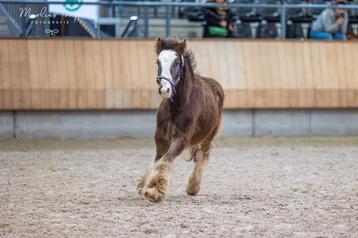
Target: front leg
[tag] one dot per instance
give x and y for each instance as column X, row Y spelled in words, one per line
column 162, row 147
column 156, row 182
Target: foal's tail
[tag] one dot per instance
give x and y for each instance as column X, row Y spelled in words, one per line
column 218, row 91
column 220, row 97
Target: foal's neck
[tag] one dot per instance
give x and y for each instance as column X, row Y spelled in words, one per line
column 185, row 87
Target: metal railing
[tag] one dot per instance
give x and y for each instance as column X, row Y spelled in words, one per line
column 133, row 22
column 13, row 21
column 170, row 5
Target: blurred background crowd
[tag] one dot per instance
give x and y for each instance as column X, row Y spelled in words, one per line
column 142, row 19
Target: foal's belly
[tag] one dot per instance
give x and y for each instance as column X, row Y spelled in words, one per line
column 198, row 139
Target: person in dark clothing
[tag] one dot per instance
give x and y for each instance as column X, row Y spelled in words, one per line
column 220, row 21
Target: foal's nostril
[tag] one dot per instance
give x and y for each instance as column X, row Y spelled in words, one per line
column 168, row 90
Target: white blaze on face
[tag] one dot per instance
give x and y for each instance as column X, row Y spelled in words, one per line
column 166, row 59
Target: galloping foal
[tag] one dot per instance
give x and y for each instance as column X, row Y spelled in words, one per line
column 189, row 116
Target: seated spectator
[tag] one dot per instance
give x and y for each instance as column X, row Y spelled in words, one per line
column 220, row 22
column 331, row 24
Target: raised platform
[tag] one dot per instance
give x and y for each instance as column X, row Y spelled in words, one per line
column 141, row 123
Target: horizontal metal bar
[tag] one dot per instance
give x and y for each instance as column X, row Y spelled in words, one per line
column 190, row 4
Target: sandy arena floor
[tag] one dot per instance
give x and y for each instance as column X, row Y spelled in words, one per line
column 252, row 188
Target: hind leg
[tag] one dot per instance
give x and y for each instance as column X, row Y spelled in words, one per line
column 193, row 153
column 200, row 156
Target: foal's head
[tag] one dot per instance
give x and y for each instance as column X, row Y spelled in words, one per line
column 171, row 65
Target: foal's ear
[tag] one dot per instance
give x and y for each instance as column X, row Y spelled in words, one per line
column 182, row 47
column 158, row 45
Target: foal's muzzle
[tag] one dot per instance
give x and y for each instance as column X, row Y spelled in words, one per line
column 166, row 87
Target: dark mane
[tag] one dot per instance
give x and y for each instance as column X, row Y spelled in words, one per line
column 189, row 56
column 167, row 44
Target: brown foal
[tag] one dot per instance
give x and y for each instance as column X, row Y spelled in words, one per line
column 189, row 116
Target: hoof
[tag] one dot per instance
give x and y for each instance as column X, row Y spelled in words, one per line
column 153, row 195
column 141, row 182
column 192, row 189
column 154, row 185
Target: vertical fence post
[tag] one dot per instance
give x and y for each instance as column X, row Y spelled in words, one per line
column 135, row 29
column 167, row 21
column 283, row 21
column 146, row 22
